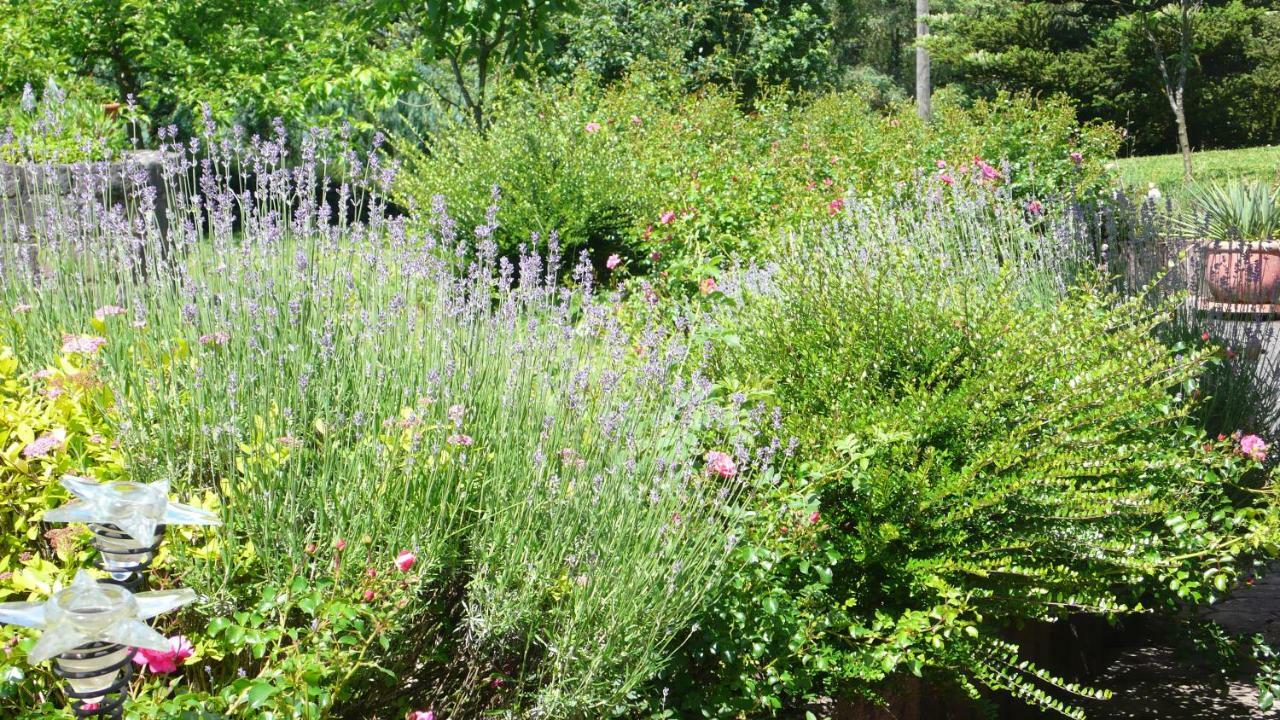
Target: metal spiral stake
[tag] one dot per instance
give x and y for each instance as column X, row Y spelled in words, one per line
column 91, row 630
column 123, row 558
column 128, row 521
column 97, row 690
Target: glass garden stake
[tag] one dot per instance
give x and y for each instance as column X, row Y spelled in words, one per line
column 127, row 520
column 92, row 630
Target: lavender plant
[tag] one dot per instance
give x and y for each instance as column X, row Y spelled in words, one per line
column 339, row 375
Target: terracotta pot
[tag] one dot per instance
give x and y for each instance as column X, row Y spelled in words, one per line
column 1243, row 273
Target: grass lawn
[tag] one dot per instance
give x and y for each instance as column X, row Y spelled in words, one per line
column 1258, row 163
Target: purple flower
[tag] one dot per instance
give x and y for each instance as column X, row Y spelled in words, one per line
column 460, row 439
column 456, row 412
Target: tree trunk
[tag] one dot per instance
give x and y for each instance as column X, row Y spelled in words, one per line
column 1184, row 140
column 924, row 89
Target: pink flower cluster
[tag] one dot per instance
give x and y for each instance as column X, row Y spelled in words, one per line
column 45, row 444
column 107, row 311
column 217, row 338
column 721, row 464
column 82, row 344
column 165, row 661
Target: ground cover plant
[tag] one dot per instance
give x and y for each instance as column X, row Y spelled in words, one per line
column 430, row 460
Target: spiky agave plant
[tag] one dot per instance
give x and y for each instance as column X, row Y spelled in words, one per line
column 1238, row 211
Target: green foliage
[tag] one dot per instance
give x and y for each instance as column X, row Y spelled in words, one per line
column 300, row 61
column 681, row 183
column 979, row 452
column 1260, row 164
column 750, row 45
column 62, row 403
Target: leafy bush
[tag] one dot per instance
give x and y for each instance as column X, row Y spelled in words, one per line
column 51, row 423
column 683, row 182
column 388, row 385
column 976, row 452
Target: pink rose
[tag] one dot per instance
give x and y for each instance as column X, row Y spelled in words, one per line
column 405, row 560
column 422, row 715
column 613, row 262
column 946, row 178
column 708, row 286
column 460, row 439
column 592, row 127
column 667, row 217
column 835, row 206
column 719, row 463
column 165, row 661
column 1254, row 447
column 1034, row 207
column 1076, row 157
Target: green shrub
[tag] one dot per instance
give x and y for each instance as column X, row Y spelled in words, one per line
column 684, row 182
column 974, row 452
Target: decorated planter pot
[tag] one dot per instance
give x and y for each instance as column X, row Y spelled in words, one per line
column 1244, row 273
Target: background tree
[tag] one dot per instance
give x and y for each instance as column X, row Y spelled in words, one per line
column 1173, row 64
column 474, row 39
column 1099, row 54
column 924, row 88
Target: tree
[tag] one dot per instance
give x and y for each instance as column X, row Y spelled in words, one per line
column 476, row 37
column 1173, row 80
column 924, row 90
